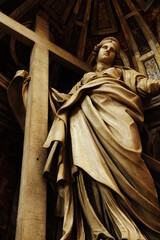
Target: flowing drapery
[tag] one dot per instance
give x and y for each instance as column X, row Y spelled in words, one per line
column 96, row 160
column 105, row 190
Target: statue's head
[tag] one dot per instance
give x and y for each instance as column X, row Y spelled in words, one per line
column 108, row 42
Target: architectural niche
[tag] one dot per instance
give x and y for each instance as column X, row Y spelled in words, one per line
column 75, row 26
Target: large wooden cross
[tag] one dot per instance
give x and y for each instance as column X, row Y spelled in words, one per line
column 31, row 219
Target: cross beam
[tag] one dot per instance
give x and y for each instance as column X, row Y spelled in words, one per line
column 31, row 217
column 21, row 11
column 28, row 37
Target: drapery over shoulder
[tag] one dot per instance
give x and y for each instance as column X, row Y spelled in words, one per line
column 95, row 157
column 98, row 125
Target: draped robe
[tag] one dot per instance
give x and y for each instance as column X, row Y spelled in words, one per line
column 105, row 190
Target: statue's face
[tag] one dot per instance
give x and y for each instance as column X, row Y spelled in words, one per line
column 107, row 53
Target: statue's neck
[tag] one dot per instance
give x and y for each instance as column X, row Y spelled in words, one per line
column 102, row 67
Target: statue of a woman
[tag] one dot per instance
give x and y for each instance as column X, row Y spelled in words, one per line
column 105, row 190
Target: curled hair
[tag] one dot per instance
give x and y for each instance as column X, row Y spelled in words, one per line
column 93, row 56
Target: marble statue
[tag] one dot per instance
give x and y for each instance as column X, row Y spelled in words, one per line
column 104, row 187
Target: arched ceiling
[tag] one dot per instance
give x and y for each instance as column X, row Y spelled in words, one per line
column 74, row 25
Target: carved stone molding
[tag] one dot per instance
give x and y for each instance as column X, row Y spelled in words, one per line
column 58, row 9
column 143, row 45
column 107, row 25
column 145, row 4
column 124, row 58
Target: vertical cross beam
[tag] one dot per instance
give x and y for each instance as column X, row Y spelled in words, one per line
column 31, row 219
